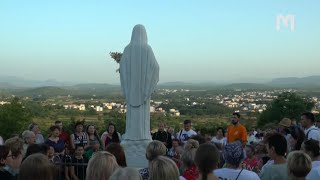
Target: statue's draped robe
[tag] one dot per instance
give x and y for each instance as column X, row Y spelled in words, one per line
column 139, row 74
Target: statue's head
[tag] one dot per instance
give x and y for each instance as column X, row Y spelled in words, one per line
column 139, row 35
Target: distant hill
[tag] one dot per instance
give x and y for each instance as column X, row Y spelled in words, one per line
column 5, row 85
column 45, row 92
column 296, row 82
column 20, row 86
column 18, row 82
column 177, row 83
column 77, row 90
column 188, row 85
column 246, row 86
column 50, row 88
column 211, row 85
column 94, row 88
column 4, row 93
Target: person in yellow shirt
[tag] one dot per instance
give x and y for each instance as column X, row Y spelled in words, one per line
column 236, row 131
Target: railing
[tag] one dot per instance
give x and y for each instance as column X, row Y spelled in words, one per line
column 64, row 165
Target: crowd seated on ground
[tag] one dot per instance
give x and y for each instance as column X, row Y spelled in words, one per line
column 290, row 151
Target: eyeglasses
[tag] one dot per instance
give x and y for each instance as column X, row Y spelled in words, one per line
column 15, row 156
column 10, row 156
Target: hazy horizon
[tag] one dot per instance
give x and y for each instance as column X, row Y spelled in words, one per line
column 203, row 41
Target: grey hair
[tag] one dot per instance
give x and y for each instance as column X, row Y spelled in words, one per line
column 26, row 134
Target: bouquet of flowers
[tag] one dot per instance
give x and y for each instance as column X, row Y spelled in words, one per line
column 117, row 57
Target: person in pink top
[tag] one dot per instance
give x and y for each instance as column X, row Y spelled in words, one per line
column 110, row 136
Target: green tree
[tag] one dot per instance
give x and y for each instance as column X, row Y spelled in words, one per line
column 13, row 118
column 286, row 105
column 36, row 109
column 91, row 112
column 317, row 117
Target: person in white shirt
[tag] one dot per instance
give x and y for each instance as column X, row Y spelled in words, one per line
column 254, row 131
column 318, row 125
column 220, row 138
column 251, row 137
column 233, row 155
column 186, row 133
column 314, row 174
column 311, row 147
column 307, row 122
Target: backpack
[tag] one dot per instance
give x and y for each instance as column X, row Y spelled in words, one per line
column 180, row 135
column 307, row 135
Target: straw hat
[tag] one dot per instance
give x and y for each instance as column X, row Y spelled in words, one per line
column 286, row 122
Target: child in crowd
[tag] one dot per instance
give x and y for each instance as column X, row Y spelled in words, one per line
column 78, row 167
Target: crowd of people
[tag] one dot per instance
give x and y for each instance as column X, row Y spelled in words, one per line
column 290, row 151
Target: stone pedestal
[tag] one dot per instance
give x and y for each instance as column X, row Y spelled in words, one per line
column 135, row 151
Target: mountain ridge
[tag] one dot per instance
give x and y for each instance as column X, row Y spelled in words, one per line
column 11, row 82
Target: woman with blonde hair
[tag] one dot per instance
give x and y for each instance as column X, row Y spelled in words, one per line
column 299, row 165
column 126, row 174
column 163, row 168
column 189, row 169
column 36, row 167
column 101, row 166
column 154, row 149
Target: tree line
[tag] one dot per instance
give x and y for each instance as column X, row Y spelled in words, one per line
column 15, row 116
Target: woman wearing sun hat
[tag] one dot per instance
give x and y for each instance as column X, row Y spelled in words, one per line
column 284, row 129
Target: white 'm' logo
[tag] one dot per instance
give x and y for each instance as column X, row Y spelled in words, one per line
column 285, row 20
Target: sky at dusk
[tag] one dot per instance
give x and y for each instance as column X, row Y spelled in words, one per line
column 204, row 40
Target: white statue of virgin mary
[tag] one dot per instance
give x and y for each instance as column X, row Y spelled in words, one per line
column 139, row 74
